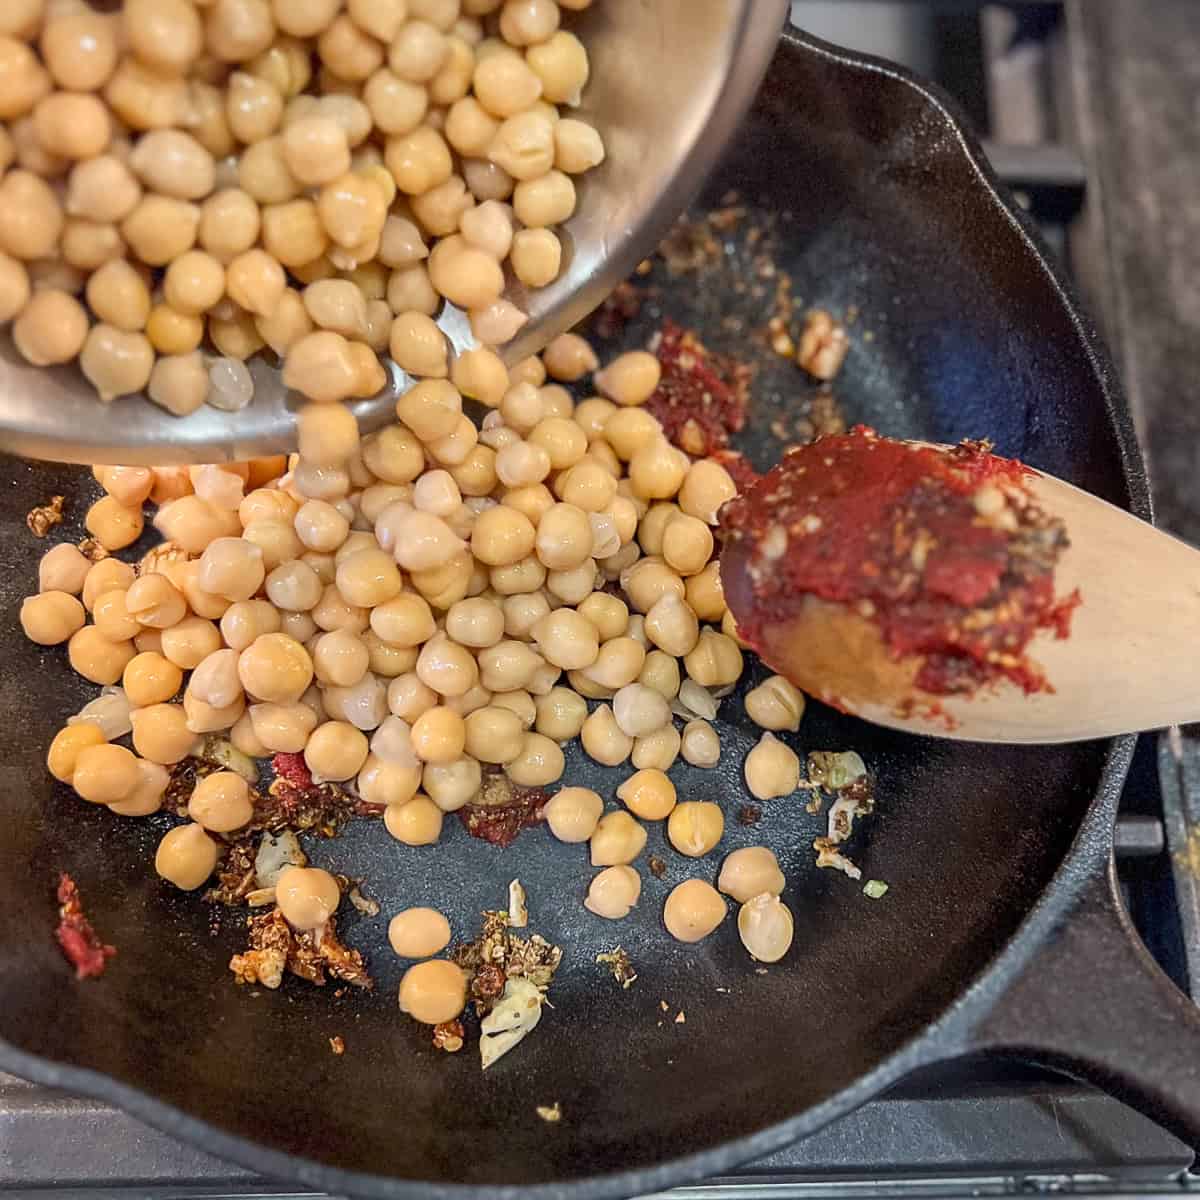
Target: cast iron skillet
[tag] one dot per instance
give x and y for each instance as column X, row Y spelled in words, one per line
column 1002, row 929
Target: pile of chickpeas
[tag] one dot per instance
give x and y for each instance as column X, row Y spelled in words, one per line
column 186, row 183
column 411, row 608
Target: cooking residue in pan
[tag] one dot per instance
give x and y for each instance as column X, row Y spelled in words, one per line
column 85, row 950
column 44, row 517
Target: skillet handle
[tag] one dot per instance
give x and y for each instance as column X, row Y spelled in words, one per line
column 1092, row 1002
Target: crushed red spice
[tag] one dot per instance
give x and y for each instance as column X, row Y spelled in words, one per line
column 945, row 551
column 702, row 396
column 82, row 946
column 502, row 809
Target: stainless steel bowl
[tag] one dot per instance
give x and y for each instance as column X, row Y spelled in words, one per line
column 671, row 81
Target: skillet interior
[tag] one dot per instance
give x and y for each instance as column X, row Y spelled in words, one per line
column 970, row 338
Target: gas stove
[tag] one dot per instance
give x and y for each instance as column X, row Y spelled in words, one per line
column 1086, row 107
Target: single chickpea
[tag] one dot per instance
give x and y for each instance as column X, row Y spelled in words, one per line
column 502, row 537
column 51, row 617
column 695, row 827
column 772, row 769
column 14, row 288
column 418, row 345
column 322, row 367
column 253, row 107
column 508, row 665
column 305, row 18
column 276, row 669
column 160, row 229
column 630, row 379
column 389, row 784
column 417, row 822
column 776, row 704
column 648, row 794
column 79, row 49
column 522, row 148
column 418, row 160
column 173, row 163
column 178, row 334
column 282, row 728
column 190, row 641
column 451, row 785
column 629, row 430
column 186, row 857
column 528, row 22
column 603, row 739
column 25, row 81
column 96, row 657
column 540, row 762
column 573, row 813
column 564, row 537
column 749, row 872
column 766, row 927
column 658, row 750
column 705, row 488
column 104, row 774
column 577, row 146
column 431, row 409
column 687, row 544
column 220, row 802
column 693, row 910
column 672, row 626
column 439, row 735
column 51, row 329
column 149, row 679
column 614, row 892
column 116, row 362
column 160, row 733
column 112, row 618
column 307, row 896
column 215, row 680
column 715, row 660
column 231, row 567
column 701, row 746
column 109, row 574
column 238, row 30
column 433, row 991
column 246, row 620
column 63, row 568
column 475, row 622
column 494, row 735
column 566, row 639
column 561, row 713
column 617, row 839
column 418, row 933
column 336, row 751
column 639, row 710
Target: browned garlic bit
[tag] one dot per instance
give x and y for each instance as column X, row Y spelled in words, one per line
column 189, row 184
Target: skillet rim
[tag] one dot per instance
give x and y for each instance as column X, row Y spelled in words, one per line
column 945, row 1037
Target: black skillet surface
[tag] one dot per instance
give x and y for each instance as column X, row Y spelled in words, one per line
column 996, row 856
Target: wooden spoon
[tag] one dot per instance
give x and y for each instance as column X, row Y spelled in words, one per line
column 1126, row 666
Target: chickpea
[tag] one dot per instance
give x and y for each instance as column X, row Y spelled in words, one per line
column 334, row 613
column 567, row 639
column 79, row 49
column 687, row 544
column 439, row 735
column 701, row 746
column 160, row 733
column 561, row 714
column 220, row 802
column 539, row 763
column 451, row 785
column 51, row 328
column 629, row 430
column 160, row 229
column 238, row 30
column 614, row 892
column 766, row 927
column 772, row 769
column 648, row 794
column 418, row 932
column 494, row 735
column 336, row 751
column 603, row 738
column 307, row 896
column 215, row 681
column 693, row 910
column 276, row 669
column 96, row 657
column 14, row 288
column 178, row 334
column 480, row 374
column 658, row 750
column 577, row 146
column 705, row 488
column 672, row 626
column 417, row 822
column 186, row 857
column 695, row 827
column 294, row 587
column 433, row 991
column 104, row 774
column 63, row 568
column 115, row 362
column 776, row 704
column 504, row 85
column 305, row 18
column 386, row 783
column 418, row 51
column 528, row 22
column 639, row 710
column 246, row 620
column 109, row 574
column 150, row 679
column 51, row 617
column 253, row 107
column 418, row 345
column 173, row 163
column 617, row 839
column 69, row 742
column 112, row 617
column 282, row 728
